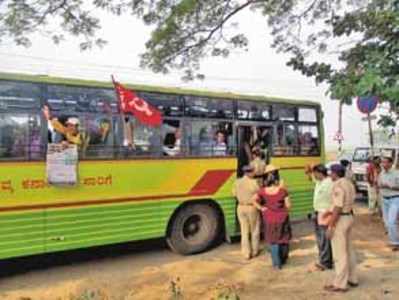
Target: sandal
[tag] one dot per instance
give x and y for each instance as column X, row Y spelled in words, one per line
column 319, row 267
column 332, row 288
column 353, row 284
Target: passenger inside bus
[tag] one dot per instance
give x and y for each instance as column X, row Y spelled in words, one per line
column 98, row 137
column 99, row 133
column 27, row 146
column 219, row 147
column 257, row 138
column 307, row 140
column 204, row 147
column 128, row 134
column 286, row 140
column 172, row 141
column 69, row 131
column 248, row 140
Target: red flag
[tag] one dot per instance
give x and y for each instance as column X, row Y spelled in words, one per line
column 131, row 103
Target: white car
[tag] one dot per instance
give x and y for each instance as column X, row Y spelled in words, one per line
column 360, row 161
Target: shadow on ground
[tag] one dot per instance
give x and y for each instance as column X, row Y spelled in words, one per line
column 18, row 266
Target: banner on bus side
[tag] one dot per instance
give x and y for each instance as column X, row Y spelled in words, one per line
column 62, row 162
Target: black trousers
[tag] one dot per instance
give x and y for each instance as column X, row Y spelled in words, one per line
column 324, row 245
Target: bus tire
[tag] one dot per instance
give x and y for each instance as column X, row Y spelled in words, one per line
column 194, row 229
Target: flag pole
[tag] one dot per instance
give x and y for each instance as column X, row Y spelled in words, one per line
column 126, row 125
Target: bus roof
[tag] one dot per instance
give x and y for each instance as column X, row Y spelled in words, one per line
column 93, row 83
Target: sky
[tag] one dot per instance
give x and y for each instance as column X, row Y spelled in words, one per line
column 260, row 70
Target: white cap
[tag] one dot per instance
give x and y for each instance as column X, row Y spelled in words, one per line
column 73, row 121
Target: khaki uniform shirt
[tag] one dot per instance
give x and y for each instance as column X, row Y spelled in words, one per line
column 244, row 189
column 343, row 194
column 258, row 165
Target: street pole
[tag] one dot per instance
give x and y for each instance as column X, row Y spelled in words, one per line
column 370, row 134
column 340, row 125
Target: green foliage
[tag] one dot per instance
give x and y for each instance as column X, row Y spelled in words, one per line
column 18, row 19
column 386, row 121
column 369, row 58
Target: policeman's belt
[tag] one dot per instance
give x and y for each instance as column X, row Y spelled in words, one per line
column 346, row 213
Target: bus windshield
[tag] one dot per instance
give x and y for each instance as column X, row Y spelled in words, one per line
column 362, row 154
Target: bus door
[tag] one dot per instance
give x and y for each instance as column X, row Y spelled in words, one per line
column 250, row 136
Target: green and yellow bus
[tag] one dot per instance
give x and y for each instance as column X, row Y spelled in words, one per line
column 132, row 184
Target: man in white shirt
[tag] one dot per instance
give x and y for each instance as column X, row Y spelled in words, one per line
column 322, row 203
column 388, row 184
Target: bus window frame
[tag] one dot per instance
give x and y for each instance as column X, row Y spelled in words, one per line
column 46, row 96
column 296, row 123
column 185, row 118
column 284, row 123
column 213, row 120
column 114, row 126
column 43, row 136
column 179, row 99
column 187, row 113
column 236, row 106
column 314, row 124
column 315, row 108
column 288, row 105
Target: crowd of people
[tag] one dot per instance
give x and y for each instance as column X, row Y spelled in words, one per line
column 263, row 200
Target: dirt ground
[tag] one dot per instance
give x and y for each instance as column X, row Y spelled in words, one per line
column 152, row 274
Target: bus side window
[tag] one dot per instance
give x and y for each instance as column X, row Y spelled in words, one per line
column 308, row 140
column 20, row 121
column 20, row 137
column 172, row 138
column 140, row 139
column 211, row 138
column 98, row 136
column 286, row 140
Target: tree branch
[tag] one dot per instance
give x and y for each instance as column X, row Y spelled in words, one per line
column 51, row 10
column 212, row 31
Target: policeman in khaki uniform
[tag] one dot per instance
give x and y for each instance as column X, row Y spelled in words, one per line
column 340, row 231
column 244, row 189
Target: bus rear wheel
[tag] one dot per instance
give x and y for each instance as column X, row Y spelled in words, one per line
column 195, row 228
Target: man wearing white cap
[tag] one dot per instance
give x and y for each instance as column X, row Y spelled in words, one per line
column 71, row 129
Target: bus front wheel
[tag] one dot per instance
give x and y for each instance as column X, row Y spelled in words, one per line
column 194, row 229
